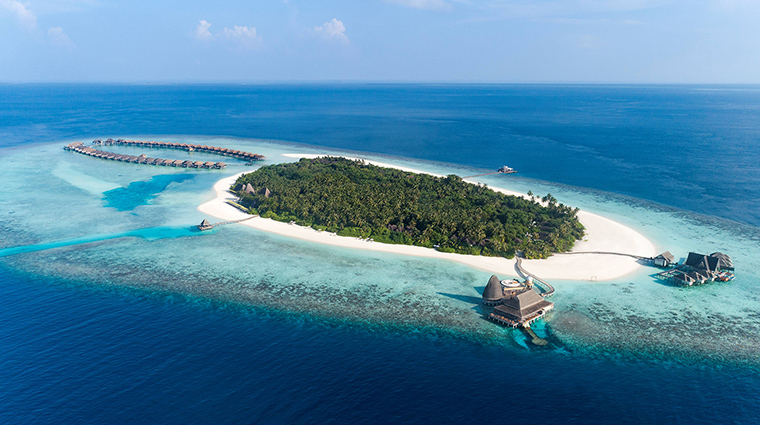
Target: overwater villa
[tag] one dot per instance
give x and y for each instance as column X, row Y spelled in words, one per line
column 699, row 269
column 80, row 147
column 514, row 306
column 664, row 260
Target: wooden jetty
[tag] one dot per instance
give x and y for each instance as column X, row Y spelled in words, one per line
column 548, row 289
column 638, row 257
column 502, row 170
column 80, row 147
column 206, row 225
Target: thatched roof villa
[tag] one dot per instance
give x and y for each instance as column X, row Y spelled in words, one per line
column 724, row 261
column 701, row 261
column 664, row 260
column 699, row 269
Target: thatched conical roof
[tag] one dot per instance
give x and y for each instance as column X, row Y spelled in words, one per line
column 493, row 291
column 266, row 192
column 249, row 189
column 205, row 223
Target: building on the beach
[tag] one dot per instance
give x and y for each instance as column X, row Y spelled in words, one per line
column 249, row 189
column 664, row 260
column 514, row 306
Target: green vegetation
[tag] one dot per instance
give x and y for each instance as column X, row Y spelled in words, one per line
column 352, row 198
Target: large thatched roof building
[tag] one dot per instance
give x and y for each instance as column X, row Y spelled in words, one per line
column 702, row 262
column 523, row 308
column 514, row 306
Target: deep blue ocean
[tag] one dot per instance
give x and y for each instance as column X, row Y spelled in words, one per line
column 77, row 353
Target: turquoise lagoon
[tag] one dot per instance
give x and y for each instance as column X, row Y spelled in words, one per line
column 105, row 224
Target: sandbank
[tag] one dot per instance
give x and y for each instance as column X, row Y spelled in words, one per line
column 603, row 235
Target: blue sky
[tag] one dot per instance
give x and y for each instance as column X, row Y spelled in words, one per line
column 628, row 41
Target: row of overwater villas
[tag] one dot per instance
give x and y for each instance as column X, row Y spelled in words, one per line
column 79, row 147
column 699, row 269
column 514, row 306
column 190, row 147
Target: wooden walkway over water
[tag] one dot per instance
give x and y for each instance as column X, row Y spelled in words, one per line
column 638, row 257
column 205, row 225
column 546, row 286
column 488, row 174
column 80, row 148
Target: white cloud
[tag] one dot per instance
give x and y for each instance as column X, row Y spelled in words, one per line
column 242, row 36
column 59, row 38
column 240, row 33
column 332, row 30
column 422, row 4
column 24, row 16
column 202, row 32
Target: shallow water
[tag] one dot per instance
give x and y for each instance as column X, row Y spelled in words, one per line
column 116, row 309
column 113, row 240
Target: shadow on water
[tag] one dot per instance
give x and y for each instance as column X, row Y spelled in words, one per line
column 466, row 298
column 149, row 233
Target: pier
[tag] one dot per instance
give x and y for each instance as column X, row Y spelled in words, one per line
column 206, row 225
column 502, row 170
column 638, row 257
column 548, row 289
column 80, row 148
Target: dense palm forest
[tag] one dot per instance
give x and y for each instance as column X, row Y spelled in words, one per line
column 352, row 198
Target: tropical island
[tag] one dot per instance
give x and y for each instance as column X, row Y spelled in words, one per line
column 388, row 205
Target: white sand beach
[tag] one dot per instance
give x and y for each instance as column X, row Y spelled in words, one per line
column 603, row 235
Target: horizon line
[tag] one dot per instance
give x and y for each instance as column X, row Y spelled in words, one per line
column 377, row 82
